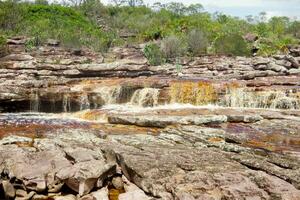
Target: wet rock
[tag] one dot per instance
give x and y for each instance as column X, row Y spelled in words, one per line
column 8, row 189
column 164, row 121
column 244, row 118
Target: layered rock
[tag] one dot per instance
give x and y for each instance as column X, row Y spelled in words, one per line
column 194, row 161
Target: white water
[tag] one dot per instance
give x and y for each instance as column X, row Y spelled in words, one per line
column 145, row 97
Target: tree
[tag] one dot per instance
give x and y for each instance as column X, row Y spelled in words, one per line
column 93, row 9
column 41, row 2
column 176, row 8
column 132, row 3
column 194, row 9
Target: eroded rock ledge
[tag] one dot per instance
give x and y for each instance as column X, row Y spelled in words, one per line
column 56, row 74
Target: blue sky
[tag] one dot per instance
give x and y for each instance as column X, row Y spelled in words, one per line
column 242, row 8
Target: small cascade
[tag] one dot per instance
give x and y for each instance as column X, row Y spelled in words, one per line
column 84, row 102
column 66, row 103
column 196, row 93
column 242, row 97
column 34, row 102
column 232, row 95
column 146, row 97
column 109, row 94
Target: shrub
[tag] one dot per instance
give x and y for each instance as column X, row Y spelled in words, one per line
column 11, row 14
column 154, row 55
column 172, row 47
column 3, row 46
column 233, row 44
column 197, row 42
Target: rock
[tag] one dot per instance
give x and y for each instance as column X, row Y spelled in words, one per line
column 88, row 197
column 261, row 61
column 22, row 195
column 66, row 197
column 101, row 194
column 284, row 63
column 8, row 189
column 53, row 43
column 294, row 71
column 13, row 139
column 132, row 192
column 17, row 57
column 276, row 68
column 163, row 121
column 82, row 176
column 77, row 52
column 118, row 183
column 244, row 118
column 294, row 62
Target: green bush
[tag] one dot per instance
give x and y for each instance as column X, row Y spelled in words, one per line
column 197, row 42
column 173, row 47
column 154, row 55
column 233, row 44
column 3, row 46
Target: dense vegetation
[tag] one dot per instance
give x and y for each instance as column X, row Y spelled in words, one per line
column 181, row 30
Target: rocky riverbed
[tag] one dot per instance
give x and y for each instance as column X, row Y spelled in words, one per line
column 80, row 125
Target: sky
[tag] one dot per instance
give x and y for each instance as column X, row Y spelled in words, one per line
column 242, row 8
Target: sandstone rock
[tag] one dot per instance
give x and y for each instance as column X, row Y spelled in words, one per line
column 132, row 192
column 294, row 62
column 88, row 197
column 52, row 42
column 17, row 57
column 66, row 197
column 244, row 118
column 294, row 71
column 82, row 176
column 118, row 183
column 261, row 61
column 163, row 121
column 276, row 68
column 8, row 189
column 101, row 194
column 23, row 195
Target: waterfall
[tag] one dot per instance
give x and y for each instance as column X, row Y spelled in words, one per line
column 205, row 93
column 196, row 93
column 145, row 97
column 34, row 102
column 84, row 102
column 109, row 94
column 66, row 103
column 241, row 97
